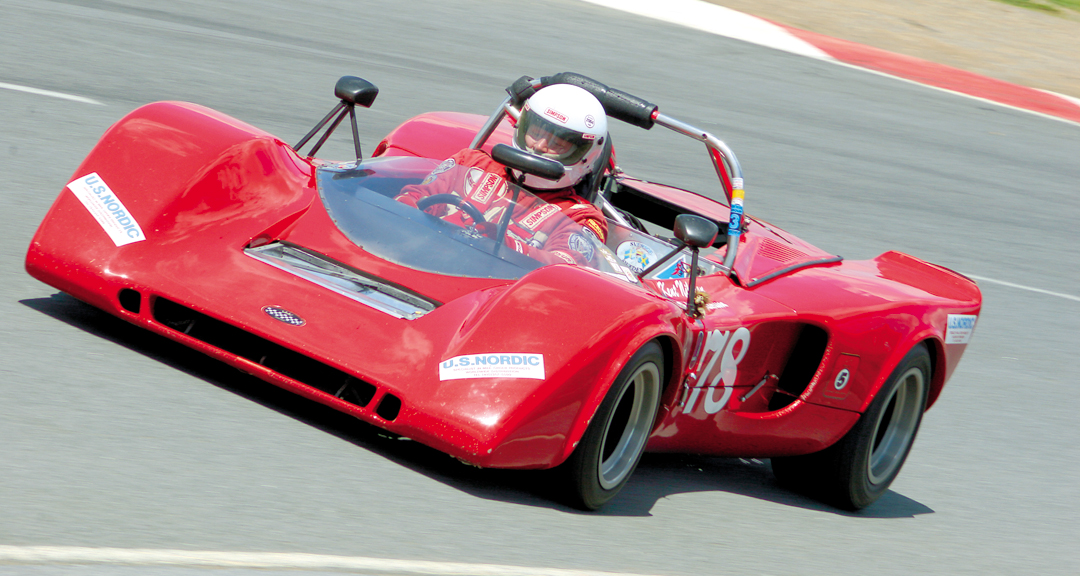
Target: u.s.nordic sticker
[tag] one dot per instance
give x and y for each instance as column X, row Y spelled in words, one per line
column 959, row 328
column 107, row 209
column 494, row 365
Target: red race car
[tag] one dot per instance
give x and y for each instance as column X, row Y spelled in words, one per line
column 692, row 327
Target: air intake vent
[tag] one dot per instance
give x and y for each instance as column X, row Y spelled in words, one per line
column 801, row 366
column 389, row 407
column 261, row 351
column 131, row 300
column 774, row 250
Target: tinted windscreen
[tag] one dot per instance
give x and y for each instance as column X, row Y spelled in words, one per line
column 462, row 227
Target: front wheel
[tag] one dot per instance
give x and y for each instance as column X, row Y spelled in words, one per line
column 858, row 469
column 615, row 439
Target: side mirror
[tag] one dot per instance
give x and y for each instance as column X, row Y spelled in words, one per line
column 511, row 157
column 695, row 231
column 356, row 91
column 351, row 91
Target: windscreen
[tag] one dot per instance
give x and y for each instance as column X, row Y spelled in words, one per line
column 455, row 220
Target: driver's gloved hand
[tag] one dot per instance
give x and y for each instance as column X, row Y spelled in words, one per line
column 406, row 199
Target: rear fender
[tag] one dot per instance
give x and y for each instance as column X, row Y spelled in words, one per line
column 924, row 296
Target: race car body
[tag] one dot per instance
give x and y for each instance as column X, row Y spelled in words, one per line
column 310, row 275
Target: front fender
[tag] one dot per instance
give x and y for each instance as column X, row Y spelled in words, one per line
column 181, row 172
column 584, row 324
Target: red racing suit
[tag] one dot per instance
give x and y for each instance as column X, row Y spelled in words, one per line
column 476, row 177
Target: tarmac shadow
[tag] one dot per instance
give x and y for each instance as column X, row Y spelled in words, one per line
column 658, row 476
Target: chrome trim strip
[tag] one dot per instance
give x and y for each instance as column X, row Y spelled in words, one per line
column 367, row 290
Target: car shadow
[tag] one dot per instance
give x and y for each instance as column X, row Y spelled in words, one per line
column 658, row 476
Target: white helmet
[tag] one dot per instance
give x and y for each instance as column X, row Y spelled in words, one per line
column 564, row 123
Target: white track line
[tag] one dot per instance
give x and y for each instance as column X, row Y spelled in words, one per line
column 1022, row 287
column 58, row 555
column 48, row 93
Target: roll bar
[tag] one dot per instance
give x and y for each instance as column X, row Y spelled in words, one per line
column 643, row 114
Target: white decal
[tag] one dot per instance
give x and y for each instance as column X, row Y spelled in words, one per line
column 718, row 346
column 556, row 115
column 565, row 257
column 842, row 379
column 471, row 178
column 537, row 217
column 443, row 167
column 495, row 365
column 107, row 209
column 677, row 289
column 715, row 305
column 486, row 187
column 678, row 269
column 959, row 328
column 637, row 256
column 737, row 183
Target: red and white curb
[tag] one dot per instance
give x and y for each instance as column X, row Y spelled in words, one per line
column 723, row 21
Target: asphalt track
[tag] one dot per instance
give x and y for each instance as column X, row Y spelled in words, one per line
column 112, row 439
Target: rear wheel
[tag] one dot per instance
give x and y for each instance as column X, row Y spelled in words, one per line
column 612, row 445
column 858, row 469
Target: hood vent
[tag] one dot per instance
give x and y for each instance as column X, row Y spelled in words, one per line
column 380, row 294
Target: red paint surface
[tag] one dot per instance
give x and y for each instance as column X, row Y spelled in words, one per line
column 204, row 185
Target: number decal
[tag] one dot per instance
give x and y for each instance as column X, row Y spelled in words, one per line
column 729, row 348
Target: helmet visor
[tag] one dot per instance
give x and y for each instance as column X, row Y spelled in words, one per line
column 543, row 137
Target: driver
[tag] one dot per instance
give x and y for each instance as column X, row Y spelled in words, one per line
column 562, row 122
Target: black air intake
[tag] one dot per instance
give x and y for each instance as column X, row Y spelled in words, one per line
column 261, row 351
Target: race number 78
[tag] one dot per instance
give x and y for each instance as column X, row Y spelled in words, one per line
column 718, row 366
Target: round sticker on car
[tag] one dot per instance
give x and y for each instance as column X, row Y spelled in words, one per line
column 842, row 379
column 636, row 255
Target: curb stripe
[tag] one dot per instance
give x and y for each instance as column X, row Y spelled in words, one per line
column 56, row 555
column 718, row 20
column 723, row 21
column 942, row 76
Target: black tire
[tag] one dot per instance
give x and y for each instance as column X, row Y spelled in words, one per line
column 615, row 439
column 859, row 468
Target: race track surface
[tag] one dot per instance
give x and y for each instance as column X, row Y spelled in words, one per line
column 112, row 438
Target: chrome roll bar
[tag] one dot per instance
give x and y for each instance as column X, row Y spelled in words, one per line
column 723, row 158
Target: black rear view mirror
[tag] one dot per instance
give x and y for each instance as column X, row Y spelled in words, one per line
column 696, row 231
column 511, row 157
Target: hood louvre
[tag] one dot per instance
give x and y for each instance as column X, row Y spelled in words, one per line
column 380, row 294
